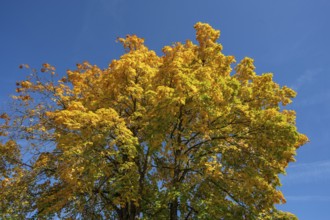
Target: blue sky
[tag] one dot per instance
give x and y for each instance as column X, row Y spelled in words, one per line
column 287, row 37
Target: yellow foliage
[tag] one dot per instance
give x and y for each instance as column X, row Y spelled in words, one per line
column 149, row 135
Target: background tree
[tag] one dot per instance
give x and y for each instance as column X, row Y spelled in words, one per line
column 181, row 136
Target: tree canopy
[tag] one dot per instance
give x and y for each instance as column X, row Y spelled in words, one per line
column 178, row 136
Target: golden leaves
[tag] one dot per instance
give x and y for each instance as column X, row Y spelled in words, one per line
column 245, row 70
column 158, row 129
column 206, row 34
column 132, row 42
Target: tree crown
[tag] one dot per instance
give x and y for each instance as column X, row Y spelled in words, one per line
column 178, row 136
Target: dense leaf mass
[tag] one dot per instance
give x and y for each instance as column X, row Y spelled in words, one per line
column 181, row 136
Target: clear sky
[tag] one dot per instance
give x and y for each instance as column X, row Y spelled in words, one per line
column 287, row 37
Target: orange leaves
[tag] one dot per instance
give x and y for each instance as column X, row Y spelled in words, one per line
column 46, row 67
column 26, row 84
column 24, row 66
column 5, row 117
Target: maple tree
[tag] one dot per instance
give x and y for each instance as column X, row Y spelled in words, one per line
column 178, row 136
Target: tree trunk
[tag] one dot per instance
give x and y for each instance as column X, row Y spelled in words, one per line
column 174, row 209
column 129, row 212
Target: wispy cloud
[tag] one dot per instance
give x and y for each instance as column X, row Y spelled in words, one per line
column 317, row 164
column 288, row 51
column 307, row 198
column 315, row 99
column 310, row 83
column 308, row 173
column 307, row 77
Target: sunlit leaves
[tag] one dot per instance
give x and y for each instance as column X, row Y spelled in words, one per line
column 183, row 135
